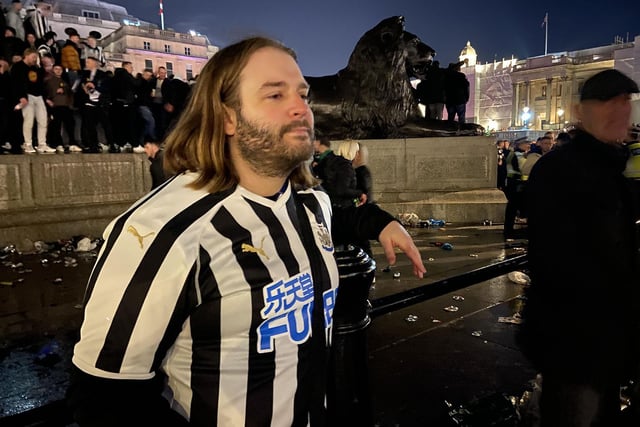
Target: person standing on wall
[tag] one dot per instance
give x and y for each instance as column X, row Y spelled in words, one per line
column 456, row 87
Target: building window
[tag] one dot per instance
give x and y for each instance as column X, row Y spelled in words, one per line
column 189, row 72
column 544, row 91
column 91, row 14
column 148, row 63
column 559, row 90
column 187, row 51
column 146, row 45
column 167, row 48
column 169, row 67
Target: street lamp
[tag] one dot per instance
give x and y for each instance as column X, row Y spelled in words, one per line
column 526, row 115
column 560, row 113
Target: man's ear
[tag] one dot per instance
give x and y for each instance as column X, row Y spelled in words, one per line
column 230, row 121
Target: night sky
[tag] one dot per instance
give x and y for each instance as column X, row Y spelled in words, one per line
column 323, row 33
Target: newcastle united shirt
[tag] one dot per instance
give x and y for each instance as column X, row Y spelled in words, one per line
column 230, row 295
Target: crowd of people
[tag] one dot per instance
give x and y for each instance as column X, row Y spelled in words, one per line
column 63, row 97
column 515, row 162
column 212, row 300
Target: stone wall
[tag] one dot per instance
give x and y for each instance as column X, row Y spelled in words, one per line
column 51, row 197
column 451, row 178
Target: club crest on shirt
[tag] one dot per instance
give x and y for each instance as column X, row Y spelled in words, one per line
column 324, row 237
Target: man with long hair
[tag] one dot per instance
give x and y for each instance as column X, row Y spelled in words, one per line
column 211, row 301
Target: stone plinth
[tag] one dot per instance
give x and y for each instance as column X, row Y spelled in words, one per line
column 452, row 178
column 51, row 197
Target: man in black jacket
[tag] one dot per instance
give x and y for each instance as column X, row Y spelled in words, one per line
column 456, row 87
column 336, row 175
column 123, row 107
column 581, row 325
column 95, row 102
column 175, row 93
column 431, row 91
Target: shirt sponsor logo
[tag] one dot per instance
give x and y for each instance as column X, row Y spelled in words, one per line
column 288, row 305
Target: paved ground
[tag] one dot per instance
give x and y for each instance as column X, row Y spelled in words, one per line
column 416, row 363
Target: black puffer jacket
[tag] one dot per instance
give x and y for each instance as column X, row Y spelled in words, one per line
column 581, row 317
column 338, row 179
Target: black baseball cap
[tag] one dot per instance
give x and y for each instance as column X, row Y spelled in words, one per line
column 607, row 84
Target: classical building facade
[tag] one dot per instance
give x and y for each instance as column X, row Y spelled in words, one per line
column 183, row 55
column 538, row 93
column 127, row 38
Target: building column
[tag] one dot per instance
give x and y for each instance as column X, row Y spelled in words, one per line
column 567, row 94
column 549, row 96
column 515, row 98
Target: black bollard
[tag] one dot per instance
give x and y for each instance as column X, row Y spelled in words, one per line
column 348, row 395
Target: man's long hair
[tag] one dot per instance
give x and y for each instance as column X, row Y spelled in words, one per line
column 198, row 142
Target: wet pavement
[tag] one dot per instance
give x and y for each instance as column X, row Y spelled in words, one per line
column 420, row 356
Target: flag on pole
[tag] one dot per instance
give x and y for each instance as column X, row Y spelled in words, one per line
column 161, row 10
column 545, row 21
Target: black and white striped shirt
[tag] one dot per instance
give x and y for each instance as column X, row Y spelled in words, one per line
column 226, row 294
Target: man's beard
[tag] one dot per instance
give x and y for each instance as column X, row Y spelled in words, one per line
column 266, row 151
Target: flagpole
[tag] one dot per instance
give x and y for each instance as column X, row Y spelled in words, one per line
column 161, row 16
column 546, row 32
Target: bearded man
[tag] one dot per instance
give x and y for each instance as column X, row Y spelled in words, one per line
column 211, row 302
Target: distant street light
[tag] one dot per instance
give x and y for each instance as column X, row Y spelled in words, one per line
column 560, row 113
column 526, row 115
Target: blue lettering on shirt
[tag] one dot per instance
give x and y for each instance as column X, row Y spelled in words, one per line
column 288, row 305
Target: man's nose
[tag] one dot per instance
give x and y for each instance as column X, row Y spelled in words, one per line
column 300, row 107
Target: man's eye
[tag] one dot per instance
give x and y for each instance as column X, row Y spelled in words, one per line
column 275, row 96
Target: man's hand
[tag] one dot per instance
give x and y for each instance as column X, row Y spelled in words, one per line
column 394, row 236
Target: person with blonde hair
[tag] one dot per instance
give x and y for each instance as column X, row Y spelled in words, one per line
column 336, row 174
column 348, row 149
column 211, row 301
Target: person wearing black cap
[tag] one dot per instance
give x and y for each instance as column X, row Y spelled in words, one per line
column 90, row 48
column 48, row 46
column 70, row 56
column 95, row 103
column 581, row 322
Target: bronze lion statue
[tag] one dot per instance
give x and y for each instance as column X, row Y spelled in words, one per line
column 372, row 97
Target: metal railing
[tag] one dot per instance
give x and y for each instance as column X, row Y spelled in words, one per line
column 384, row 305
